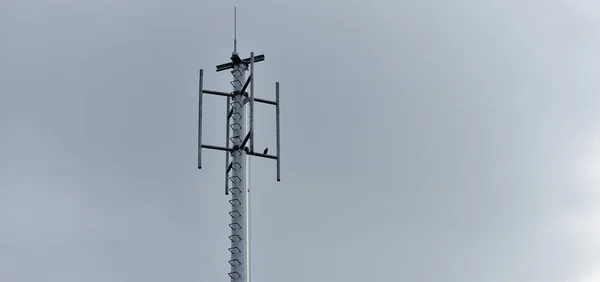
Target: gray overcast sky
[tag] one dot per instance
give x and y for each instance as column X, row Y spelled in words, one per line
column 422, row 140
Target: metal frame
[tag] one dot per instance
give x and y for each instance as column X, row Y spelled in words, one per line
column 249, row 138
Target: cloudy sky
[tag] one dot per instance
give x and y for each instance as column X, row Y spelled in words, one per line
column 422, row 140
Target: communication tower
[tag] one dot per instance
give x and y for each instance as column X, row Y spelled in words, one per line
column 239, row 147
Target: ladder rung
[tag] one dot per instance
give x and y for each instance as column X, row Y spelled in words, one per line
column 235, row 190
column 237, row 138
column 235, row 250
column 235, row 214
column 233, row 153
column 235, row 179
column 235, row 202
column 235, row 226
column 236, row 104
column 235, row 238
column 234, row 165
column 236, row 83
column 235, row 126
column 234, row 275
column 234, row 262
column 236, row 116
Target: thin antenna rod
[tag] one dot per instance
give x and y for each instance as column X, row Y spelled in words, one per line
column 234, row 30
column 200, row 91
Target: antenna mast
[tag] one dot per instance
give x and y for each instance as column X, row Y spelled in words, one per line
column 239, row 147
column 235, row 30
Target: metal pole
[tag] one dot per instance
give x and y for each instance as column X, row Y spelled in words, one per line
column 249, row 195
column 200, row 119
column 227, row 146
column 234, row 30
column 252, row 101
column 239, row 226
column 277, row 120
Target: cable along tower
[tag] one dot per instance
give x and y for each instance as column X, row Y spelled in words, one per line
column 239, row 147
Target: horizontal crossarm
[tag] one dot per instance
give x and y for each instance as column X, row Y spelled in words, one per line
column 219, row 93
column 262, row 155
column 246, row 61
column 216, row 148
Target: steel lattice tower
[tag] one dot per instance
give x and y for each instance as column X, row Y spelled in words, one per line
column 239, row 146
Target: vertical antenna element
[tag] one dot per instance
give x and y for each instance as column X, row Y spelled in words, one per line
column 200, row 119
column 277, row 120
column 234, row 30
column 227, row 146
column 252, row 102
